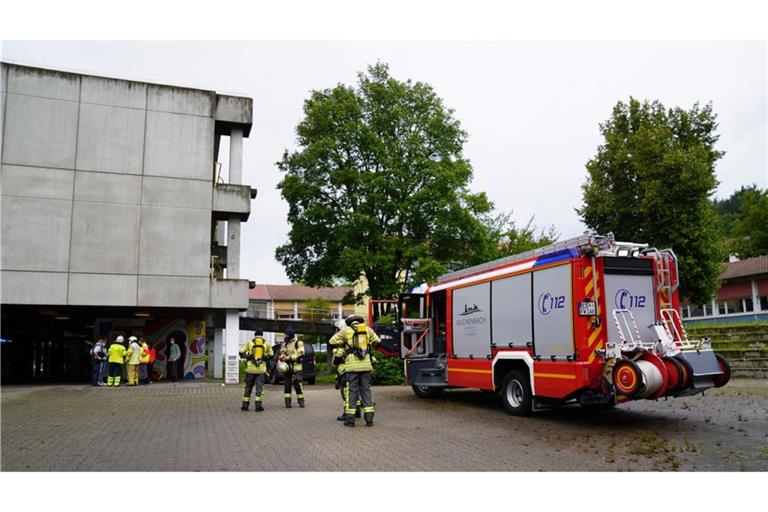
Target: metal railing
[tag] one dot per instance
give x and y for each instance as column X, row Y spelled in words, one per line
column 311, row 315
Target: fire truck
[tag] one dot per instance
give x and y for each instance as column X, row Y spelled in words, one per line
column 588, row 320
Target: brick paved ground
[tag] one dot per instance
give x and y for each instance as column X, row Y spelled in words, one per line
column 198, row 426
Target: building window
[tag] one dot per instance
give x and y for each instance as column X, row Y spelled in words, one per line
column 748, row 305
column 696, row 310
column 764, row 303
column 685, row 313
column 707, row 309
column 735, row 306
column 720, row 308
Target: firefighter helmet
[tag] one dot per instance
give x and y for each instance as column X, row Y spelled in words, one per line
column 354, row 319
column 282, row 367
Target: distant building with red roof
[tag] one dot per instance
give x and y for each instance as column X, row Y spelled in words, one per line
column 742, row 296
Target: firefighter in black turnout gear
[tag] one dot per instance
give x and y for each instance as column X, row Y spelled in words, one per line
column 256, row 352
column 292, row 353
column 357, row 340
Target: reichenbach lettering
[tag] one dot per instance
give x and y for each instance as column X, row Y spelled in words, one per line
column 470, row 321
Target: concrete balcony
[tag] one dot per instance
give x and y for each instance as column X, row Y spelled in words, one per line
column 231, row 200
column 229, row 293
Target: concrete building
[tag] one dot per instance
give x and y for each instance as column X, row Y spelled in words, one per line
column 115, row 221
column 741, row 297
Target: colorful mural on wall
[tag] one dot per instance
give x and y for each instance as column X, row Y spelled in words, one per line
column 190, row 336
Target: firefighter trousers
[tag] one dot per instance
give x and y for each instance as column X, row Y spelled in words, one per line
column 254, row 380
column 293, row 379
column 115, row 374
column 359, row 388
column 344, row 388
column 133, row 375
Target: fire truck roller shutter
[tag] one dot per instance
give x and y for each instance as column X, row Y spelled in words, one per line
column 633, row 292
column 553, row 313
column 472, row 321
column 511, row 311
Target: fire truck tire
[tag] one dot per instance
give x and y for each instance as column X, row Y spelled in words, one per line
column 627, row 378
column 516, row 394
column 427, row 391
column 722, row 379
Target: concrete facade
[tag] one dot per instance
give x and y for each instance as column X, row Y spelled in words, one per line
column 108, row 194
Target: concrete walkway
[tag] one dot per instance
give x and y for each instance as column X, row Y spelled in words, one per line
column 197, row 426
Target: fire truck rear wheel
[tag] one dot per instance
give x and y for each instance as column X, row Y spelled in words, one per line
column 427, row 391
column 516, row 393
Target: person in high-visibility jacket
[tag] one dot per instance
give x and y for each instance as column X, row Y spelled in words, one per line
column 357, row 340
column 256, row 353
column 115, row 358
column 292, row 353
column 133, row 360
column 338, row 355
column 144, row 362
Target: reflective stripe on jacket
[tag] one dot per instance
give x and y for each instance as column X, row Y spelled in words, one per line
column 261, row 351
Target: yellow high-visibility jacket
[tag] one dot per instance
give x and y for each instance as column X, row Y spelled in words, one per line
column 133, row 354
column 345, row 339
column 261, row 351
column 144, row 354
column 292, row 353
column 116, row 353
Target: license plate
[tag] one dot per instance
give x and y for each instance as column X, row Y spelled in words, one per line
column 587, row 308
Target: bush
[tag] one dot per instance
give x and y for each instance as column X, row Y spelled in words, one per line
column 387, row 371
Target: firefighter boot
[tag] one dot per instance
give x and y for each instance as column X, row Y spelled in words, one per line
column 244, row 406
column 342, row 417
column 349, row 421
column 258, row 407
column 287, row 403
column 301, row 403
column 368, row 419
column 358, row 412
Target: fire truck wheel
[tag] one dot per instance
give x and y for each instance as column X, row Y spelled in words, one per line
column 627, row 378
column 722, row 379
column 427, row 391
column 516, row 394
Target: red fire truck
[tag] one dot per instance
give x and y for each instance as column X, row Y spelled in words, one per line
column 589, row 320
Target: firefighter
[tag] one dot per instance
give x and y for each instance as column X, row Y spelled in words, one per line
column 292, row 353
column 116, row 357
column 357, row 340
column 255, row 352
column 341, row 379
column 133, row 360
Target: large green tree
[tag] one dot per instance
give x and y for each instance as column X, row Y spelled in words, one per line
column 744, row 218
column 379, row 186
column 651, row 181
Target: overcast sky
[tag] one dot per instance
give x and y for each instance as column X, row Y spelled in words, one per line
column 531, row 109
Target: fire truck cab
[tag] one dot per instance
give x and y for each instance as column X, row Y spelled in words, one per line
column 588, row 320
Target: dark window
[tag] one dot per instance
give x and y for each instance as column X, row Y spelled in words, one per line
column 707, row 309
column 721, row 308
column 735, row 306
column 697, row 310
column 748, row 306
column 764, row 303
